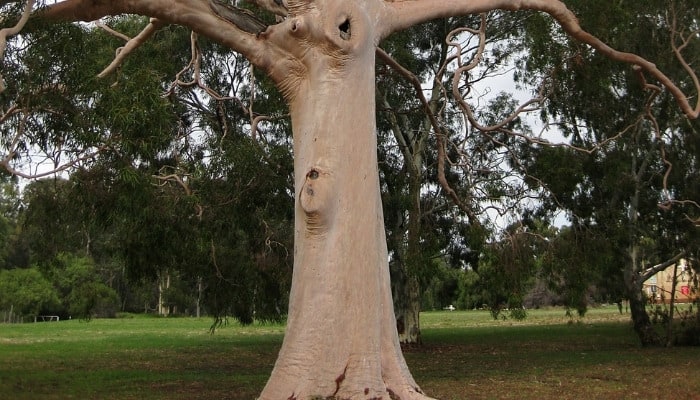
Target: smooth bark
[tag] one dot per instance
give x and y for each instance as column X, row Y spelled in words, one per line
column 341, row 340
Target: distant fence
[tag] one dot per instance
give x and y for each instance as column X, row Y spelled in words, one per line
column 43, row 318
column 10, row 317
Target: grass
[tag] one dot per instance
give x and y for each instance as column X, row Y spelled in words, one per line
column 466, row 355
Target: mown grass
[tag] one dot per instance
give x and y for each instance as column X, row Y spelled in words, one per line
column 466, row 355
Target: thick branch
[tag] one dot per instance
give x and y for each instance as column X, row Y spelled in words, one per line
column 651, row 271
column 240, row 17
column 196, row 15
column 6, row 32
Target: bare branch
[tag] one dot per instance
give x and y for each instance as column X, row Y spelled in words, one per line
column 651, row 271
column 195, row 68
column 406, row 13
column 7, row 32
column 676, row 34
column 5, row 163
column 463, row 69
column 438, row 132
column 111, row 31
column 131, row 45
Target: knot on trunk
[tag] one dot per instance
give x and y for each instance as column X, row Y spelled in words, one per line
column 315, row 200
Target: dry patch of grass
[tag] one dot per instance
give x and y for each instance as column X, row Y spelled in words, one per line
column 549, row 357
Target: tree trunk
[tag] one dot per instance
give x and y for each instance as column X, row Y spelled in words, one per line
column 163, row 285
column 632, row 275
column 341, row 340
column 641, row 323
column 640, row 319
column 671, row 306
column 408, row 312
column 408, row 309
column 200, row 289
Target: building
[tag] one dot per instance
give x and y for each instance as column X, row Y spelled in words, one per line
column 660, row 286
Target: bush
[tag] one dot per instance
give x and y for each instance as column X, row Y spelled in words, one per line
column 27, row 292
column 82, row 292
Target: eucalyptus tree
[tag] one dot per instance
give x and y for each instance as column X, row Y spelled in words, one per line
column 422, row 223
column 628, row 178
column 341, row 339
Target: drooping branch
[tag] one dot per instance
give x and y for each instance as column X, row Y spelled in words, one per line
column 405, row 13
column 440, row 135
column 194, row 67
column 678, row 43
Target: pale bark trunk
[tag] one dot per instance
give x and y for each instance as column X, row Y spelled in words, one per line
column 633, row 280
column 405, row 271
column 640, row 319
column 341, row 339
column 163, row 285
column 408, row 313
column 408, row 309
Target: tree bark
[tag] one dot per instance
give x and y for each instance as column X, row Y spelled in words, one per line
column 341, row 339
column 408, row 316
column 640, row 319
column 633, row 276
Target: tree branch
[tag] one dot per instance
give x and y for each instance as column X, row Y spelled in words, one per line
column 196, row 15
column 111, row 31
column 131, row 45
column 7, row 32
column 405, row 13
column 240, row 17
column 651, row 271
column 440, row 135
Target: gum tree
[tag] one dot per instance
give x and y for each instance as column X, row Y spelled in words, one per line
column 341, row 339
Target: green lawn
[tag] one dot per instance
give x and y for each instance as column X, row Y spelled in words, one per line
column 467, row 355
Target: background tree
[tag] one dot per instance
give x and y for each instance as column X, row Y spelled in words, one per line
column 621, row 186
